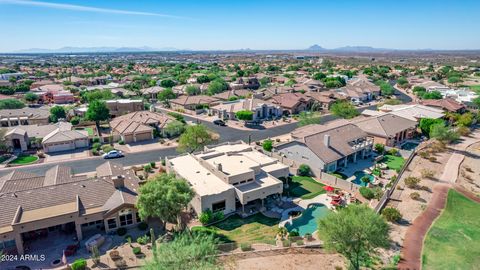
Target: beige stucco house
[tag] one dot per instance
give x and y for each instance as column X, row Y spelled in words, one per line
column 229, row 176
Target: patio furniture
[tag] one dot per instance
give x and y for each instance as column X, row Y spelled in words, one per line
column 96, row 240
column 71, row 249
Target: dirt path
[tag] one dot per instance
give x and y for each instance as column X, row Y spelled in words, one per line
column 413, row 244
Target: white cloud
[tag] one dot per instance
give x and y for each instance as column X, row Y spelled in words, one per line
column 85, row 8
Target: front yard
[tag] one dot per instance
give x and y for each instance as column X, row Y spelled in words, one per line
column 24, row 159
column 253, row 229
column 453, row 241
column 304, row 187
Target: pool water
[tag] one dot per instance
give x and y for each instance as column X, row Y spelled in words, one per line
column 409, row 146
column 307, row 222
column 358, row 178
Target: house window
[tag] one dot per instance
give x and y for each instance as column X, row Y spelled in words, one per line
column 219, row 206
column 111, row 223
column 126, row 217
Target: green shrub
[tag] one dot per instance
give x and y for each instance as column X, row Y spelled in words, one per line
column 147, row 168
column 96, row 146
column 391, row 214
column 136, row 250
column 245, row 247
column 107, row 148
column 415, row 196
column 367, row 193
column 121, row 142
column 75, row 120
column 412, row 182
column 142, row 240
column 79, row 264
column 267, row 145
column 121, row 231
column 293, row 233
column 380, row 148
column 95, row 152
column 153, row 164
column 299, row 242
column 206, row 217
column 96, row 140
column 142, row 226
column 128, row 238
column 218, row 215
column 304, row 170
column 393, row 152
column 286, row 243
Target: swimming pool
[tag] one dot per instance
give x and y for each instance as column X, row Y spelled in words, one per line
column 358, row 178
column 409, row 146
column 307, row 222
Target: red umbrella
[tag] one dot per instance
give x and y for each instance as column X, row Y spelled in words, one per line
column 329, row 188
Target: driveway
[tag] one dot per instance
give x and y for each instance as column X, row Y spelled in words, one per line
column 67, row 155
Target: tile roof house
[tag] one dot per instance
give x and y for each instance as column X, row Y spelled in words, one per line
column 261, row 109
column 24, row 116
column 446, row 104
column 138, row 126
column 388, row 129
column 360, row 90
column 151, row 92
column 327, row 147
column 223, row 174
column 52, row 137
column 292, row 103
column 413, row 111
column 123, row 106
column 193, row 104
column 42, row 204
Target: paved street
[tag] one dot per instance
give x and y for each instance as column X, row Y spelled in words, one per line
column 226, row 134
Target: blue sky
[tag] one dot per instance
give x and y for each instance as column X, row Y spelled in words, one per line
column 225, row 24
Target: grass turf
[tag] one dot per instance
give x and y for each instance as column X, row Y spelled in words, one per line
column 88, row 129
column 253, row 229
column 453, row 241
column 393, row 162
column 304, row 187
column 25, row 159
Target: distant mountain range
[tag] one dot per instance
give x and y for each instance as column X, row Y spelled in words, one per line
column 313, row 48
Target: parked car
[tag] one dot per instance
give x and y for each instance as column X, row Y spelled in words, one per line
column 113, row 154
column 219, row 122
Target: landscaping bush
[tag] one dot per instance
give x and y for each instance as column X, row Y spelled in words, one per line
column 286, row 243
column 142, row 240
column 107, row 148
column 96, row 146
column 415, row 196
column 393, row 152
column 299, row 242
column 128, row 238
column 380, row 148
column 96, row 140
column 412, row 182
column 153, row 164
column 121, row 231
column 377, row 193
column 142, row 226
column 206, row 217
column 367, row 193
column 245, row 247
column 267, row 145
column 424, row 154
column 121, row 142
column 136, row 250
column 304, row 170
column 79, row 264
column 308, row 236
column 293, row 233
column 120, row 264
column 163, row 162
column 147, row 168
column 426, row 173
column 391, row 214
column 218, row 215
column 432, row 159
column 75, row 120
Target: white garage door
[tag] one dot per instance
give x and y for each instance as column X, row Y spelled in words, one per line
column 59, row 147
column 81, row 143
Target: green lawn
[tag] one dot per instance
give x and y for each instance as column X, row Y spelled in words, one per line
column 88, row 129
column 24, row 159
column 393, row 162
column 453, row 241
column 475, row 88
column 254, row 229
column 304, row 187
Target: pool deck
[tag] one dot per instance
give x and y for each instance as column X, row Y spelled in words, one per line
column 302, row 205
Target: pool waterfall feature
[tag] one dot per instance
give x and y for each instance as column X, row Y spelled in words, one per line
column 307, row 221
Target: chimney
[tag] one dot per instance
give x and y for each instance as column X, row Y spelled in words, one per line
column 118, row 181
column 219, row 167
column 276, row 91
column 326, row 140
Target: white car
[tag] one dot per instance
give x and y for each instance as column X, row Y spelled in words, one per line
column 113, row 154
